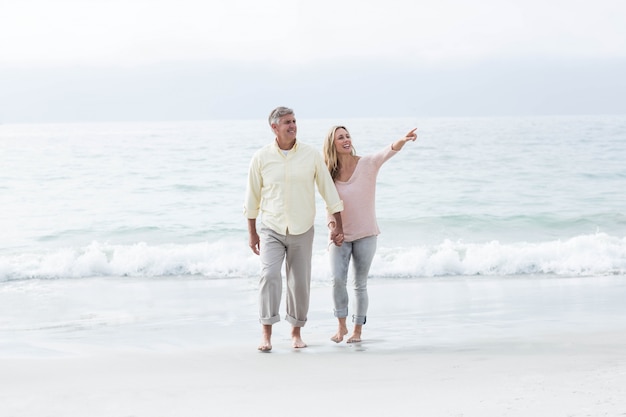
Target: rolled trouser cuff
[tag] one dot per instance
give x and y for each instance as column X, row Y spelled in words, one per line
column 295, row 322
column 269, row 321
column 342, row 313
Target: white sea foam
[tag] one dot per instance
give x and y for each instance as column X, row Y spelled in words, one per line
column 598, row 254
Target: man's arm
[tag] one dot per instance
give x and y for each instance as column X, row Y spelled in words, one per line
column 253, row 237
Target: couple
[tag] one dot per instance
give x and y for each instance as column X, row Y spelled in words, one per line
column 281, row 187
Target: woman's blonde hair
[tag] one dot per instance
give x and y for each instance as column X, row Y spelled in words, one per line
column 330, row 152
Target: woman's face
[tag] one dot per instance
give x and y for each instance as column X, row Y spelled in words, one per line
column 343, row 142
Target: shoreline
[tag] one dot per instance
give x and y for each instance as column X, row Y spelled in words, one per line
column 529, row 346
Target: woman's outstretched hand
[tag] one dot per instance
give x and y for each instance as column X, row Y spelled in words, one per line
column 411, row 136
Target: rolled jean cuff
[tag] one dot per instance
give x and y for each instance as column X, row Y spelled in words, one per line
column 269, row 321
column 295, row 322
column 341, row 313
column 359, row 320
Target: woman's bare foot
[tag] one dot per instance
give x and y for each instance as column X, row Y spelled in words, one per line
column 298, row 343
column 266, row 340
column 341, row 332
column 356, row 334
column 355, row 338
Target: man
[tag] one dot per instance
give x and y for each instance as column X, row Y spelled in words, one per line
column 281, row 188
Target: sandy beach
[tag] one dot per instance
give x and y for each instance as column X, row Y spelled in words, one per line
column 528, row 346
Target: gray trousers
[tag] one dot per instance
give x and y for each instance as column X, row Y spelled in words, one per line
column 296, row 251
column 361, row 252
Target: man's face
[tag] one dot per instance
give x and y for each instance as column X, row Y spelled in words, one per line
column 286, row 128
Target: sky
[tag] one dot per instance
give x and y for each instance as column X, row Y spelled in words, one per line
column 148, row 60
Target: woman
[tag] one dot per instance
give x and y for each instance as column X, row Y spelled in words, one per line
column 355, row 179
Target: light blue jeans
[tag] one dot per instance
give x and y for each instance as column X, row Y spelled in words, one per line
column 360, row 252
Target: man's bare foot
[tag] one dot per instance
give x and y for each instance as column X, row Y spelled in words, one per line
column 265, row 346
column 341, row 332
column 298, row 343
column 266, row 340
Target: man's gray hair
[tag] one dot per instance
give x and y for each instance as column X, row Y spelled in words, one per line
column 277, row 113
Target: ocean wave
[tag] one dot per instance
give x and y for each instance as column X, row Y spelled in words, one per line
column 593, row 254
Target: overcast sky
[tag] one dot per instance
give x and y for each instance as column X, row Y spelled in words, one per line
column 107, row 60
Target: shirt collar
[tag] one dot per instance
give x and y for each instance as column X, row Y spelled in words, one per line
column 294, row 148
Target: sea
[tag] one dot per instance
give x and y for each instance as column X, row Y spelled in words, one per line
column 118, row 236
column 505, row 196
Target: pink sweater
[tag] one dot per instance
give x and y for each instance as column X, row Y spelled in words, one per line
column 359, row 196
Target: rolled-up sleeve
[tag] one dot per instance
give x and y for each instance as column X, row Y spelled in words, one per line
column 326, row 187
column 253, row 190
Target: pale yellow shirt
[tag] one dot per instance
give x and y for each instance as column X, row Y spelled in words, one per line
column 281, row 188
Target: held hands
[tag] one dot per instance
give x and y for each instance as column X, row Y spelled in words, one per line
column 336, row 234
